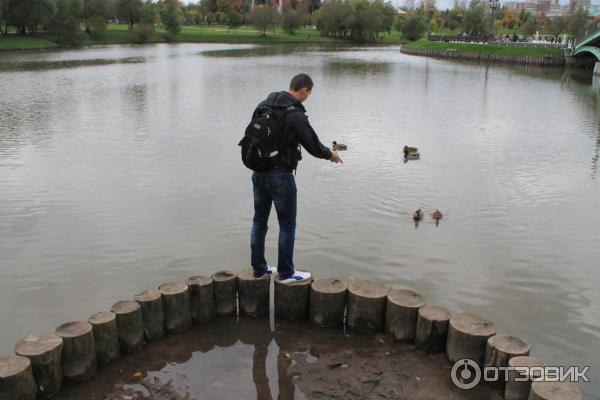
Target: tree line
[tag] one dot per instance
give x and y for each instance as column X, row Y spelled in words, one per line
column 350, row 19
column 64, row 18
column 476, row 18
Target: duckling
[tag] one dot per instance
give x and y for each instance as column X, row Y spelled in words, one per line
column 412, row 156
column 410, row 150
column 437, row 215
column 417, row 215
column 338, row 146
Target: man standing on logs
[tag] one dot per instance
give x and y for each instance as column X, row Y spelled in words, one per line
column 271, row 148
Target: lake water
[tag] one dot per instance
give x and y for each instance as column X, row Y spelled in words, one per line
column 119, row 169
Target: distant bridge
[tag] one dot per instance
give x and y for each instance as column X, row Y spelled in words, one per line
column 588, row 47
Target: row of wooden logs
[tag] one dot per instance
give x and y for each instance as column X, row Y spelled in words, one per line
column 75, row 350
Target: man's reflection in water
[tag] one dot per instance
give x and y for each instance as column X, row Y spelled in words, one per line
column 259, row 371
column 258, row 333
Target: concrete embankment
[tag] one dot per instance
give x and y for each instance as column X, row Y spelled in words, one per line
column 540, row 61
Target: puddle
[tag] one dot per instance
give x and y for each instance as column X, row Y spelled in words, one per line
column 248, row 359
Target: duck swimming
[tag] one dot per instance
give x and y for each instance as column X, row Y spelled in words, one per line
column 417, row 215
column 410, row 150
column 437, row 215
column 338, row 146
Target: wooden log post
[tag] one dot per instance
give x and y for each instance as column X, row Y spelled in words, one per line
column 328, row 302
column 153, row 314
column 432, row 328
column 79, row 351
column 106, row 337
column 554, row 391
column 16, row 379
column 401, row 313
column 253, row 294
column 366, row 306
column 201, row 299
column 176, row 300
column 291, row 299
column 224, row 288
column 130, row 325
column 519, row 389
column 467, row 337
column 44, row 351
column 499, row 350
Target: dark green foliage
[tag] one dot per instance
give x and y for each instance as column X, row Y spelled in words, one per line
column 558, row 25
column 262, row 17
column 150, row 13
column 172, row 18
column 291, row 20
column 362, row 20
column 143, row 33
column 531, row 26
column 231, row 11
column 477, row 20
column 26, row 15
column 3, row 24
column 65, row 22
column 577, row 23
column 334, row 18
column 414, row 27
column 131, row 11
column 95, row 26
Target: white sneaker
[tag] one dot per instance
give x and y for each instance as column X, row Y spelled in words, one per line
column 298, row 276
column 271, row 270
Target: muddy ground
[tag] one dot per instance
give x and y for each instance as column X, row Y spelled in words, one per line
column 248, row 359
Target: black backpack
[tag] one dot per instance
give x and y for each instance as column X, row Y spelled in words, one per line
column 261, row 143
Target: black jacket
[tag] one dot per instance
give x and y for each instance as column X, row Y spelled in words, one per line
column 297, row 131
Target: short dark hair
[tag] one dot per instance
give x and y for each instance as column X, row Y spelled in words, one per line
column 301, row 81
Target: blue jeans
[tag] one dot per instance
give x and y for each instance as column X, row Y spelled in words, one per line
column 280, row 188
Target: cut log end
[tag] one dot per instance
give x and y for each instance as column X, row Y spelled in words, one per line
column 329, row 286
column 12, row 366
column 510, row 345
column 525, row 361
column 148, row 295
column 554, row 391
column 198, row 280
column 472, row 325
column 16, row 379
column 434, row 313
column 73, row 329
column 36, row 345
column 406, row 298
column 367, row 289
column 102, row 317
column 172, row 288
column 222, row 276
column 125, row 307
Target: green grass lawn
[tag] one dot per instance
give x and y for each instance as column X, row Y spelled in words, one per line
column 119, row 34
column 500, row 49
column 13, row 42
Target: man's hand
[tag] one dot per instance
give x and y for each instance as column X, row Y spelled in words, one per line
column 335, row 157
